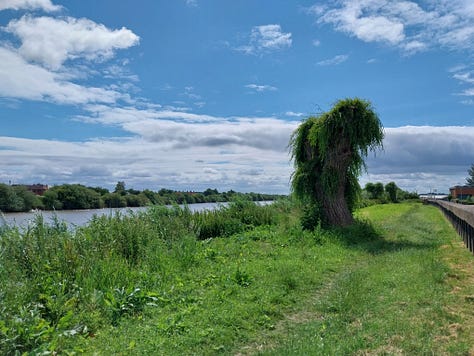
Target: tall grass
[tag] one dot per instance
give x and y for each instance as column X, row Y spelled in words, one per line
column 58, row 283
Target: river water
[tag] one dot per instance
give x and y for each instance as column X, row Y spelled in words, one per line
column 82, row 217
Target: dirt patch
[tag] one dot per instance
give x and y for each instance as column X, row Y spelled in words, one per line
column 382, row 350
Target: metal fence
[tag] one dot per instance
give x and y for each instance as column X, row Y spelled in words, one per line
column 464, row 228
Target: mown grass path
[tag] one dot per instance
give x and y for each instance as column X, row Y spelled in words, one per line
column 408, row 292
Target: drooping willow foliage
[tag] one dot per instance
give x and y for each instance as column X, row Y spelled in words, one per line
column 328, row 153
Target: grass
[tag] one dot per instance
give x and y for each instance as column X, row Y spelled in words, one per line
column 242, row 280
column 394, row 298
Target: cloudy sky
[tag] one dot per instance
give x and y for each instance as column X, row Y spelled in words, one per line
column 196, row 94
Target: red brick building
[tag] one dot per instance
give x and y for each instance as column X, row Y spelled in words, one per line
column 37, row 189
column 461, row 192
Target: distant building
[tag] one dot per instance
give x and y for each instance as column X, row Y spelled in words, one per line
column 433, row 196
column 38, row 189
column 461, row 192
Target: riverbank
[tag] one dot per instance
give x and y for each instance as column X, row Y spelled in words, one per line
column 164, row 282
column 83, row 216
column 18, row 198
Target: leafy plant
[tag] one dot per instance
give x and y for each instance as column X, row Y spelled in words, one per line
column 242, row 278
column 129, row 301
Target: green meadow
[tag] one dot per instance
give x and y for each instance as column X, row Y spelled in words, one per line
column 242, row 280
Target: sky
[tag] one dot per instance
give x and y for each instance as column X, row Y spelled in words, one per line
column 196, row 94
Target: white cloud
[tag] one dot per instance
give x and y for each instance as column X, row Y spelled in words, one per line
column 246, row 154
column 107, row 115
column 239, row 153
column 341, row 58
column 464, row 75
column 191, row 3
column 267, row 38
column 414, row 47
column 461, row 37
column 119, row 72
column 52, row 41
column 22, row 80
column 457, row 68
column 181, row 129
column 368, row 28
column 45, row 5
column 408, row 25
column 37, row 69
column 261, row 88
column 424, row 157
column 262, row 134
column 191, row 94
column 468, row 92
column 294, row 114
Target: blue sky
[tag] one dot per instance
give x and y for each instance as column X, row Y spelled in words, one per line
column 191, row 94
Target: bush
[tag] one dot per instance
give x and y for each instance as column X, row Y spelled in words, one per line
column 238, row 216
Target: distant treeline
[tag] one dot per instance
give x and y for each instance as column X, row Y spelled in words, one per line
column 377, row 193
column 77, row 196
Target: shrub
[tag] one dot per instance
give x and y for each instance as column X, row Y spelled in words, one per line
column 238, row 216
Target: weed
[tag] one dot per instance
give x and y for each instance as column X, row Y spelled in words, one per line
column 130, row 301
column 242, row 278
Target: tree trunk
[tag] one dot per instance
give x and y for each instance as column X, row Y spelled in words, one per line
column 335, row 206
column 336, row 210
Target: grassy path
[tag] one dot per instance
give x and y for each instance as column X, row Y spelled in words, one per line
column 408, row 293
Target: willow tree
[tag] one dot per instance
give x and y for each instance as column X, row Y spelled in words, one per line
column 328, row 153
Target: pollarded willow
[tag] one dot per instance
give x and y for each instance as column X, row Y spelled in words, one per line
column 328, row 153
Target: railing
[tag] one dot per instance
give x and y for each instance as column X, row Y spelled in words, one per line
column 462, row 218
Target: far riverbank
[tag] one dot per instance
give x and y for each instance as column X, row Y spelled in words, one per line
column 81, row 217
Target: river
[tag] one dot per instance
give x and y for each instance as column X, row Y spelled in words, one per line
column 82, row 217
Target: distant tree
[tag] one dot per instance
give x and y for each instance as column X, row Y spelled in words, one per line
column 153, row 197
column 328, row 152
column 29, row 199
column 143, row 199
column 115, row 200
column 17, row 198
column 164, row 191
column 120, row 188
column 72, row 196
column 370, row 189
column 375, row 190
column 210, row 191
column 100, row 190
column 51, row 200
column 134, row 200
column 133, row 191
column 378, row 190
column 392, row 189
column 199, row 198
column 179, row 198
column 9, row 201
column 470, row 179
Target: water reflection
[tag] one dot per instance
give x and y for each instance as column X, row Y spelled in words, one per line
column 82, row 217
